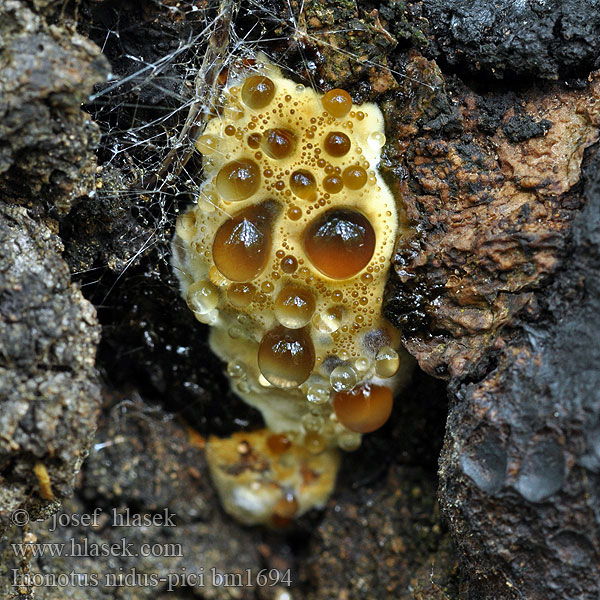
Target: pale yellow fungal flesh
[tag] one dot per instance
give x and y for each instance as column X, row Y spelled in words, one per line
column 264, row 481
column 286, row 255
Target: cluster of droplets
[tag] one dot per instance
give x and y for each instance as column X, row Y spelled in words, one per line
column 288, row 249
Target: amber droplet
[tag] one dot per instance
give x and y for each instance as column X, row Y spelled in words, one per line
column 278, row 143
column 286, row 357
column 238, row 180
column 329, row 320
column 294, row 213
column 294, row 306
column 337, row 102
column 314, row 443
column 254, row 140
column 258, row 91
column 303, row 184
column 242, row 244
column 286, row 507
column 333, row 184
column 241, row 294
column 336, row 143
column 354, row 177
column 278, row 443
column 289, row 264
column 340, row 243
column 365, row 408
column 267, row 287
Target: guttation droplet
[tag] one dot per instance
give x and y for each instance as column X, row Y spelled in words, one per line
column 337, row 143
column 278, row 443
column 354, row 177
column 278, row 143
column 376, row 140
column 318, row 393
column 387, row 362
column 242, row 244
column 294, row 306
column 343, row 378
column 365, row 408
column 333, row 184
column 258, row 91
column 241, row 294
column 286, row 357
column 340, row 243
column 337, row 102
column 286, row 507
column 314, row 443
column 289, row 264
column 303, row 184
column 202, row 297
column 186, row 225
column 329, row 320
column 206, row 144
column 238, row 180
column 349, row 441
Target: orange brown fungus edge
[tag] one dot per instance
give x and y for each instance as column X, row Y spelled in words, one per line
column 286, row 254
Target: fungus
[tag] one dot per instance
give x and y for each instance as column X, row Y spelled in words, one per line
column 286, row 255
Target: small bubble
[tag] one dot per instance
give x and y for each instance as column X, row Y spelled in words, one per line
column 387, row 362
column 209, row 318
column 186, row 225
column 235, row 369
column 362, row 364
column 312, row 422
column 343, row 378
column 243, row 386
column 376, row 140
column 349, row 441
column 329, row 320
column 202, row 297
column 314, row 443
column 318, row 393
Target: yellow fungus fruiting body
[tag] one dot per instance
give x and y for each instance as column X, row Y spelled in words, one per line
column 286, row 255
column 262, row 480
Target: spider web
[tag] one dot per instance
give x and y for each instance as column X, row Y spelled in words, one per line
column 156, row 104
